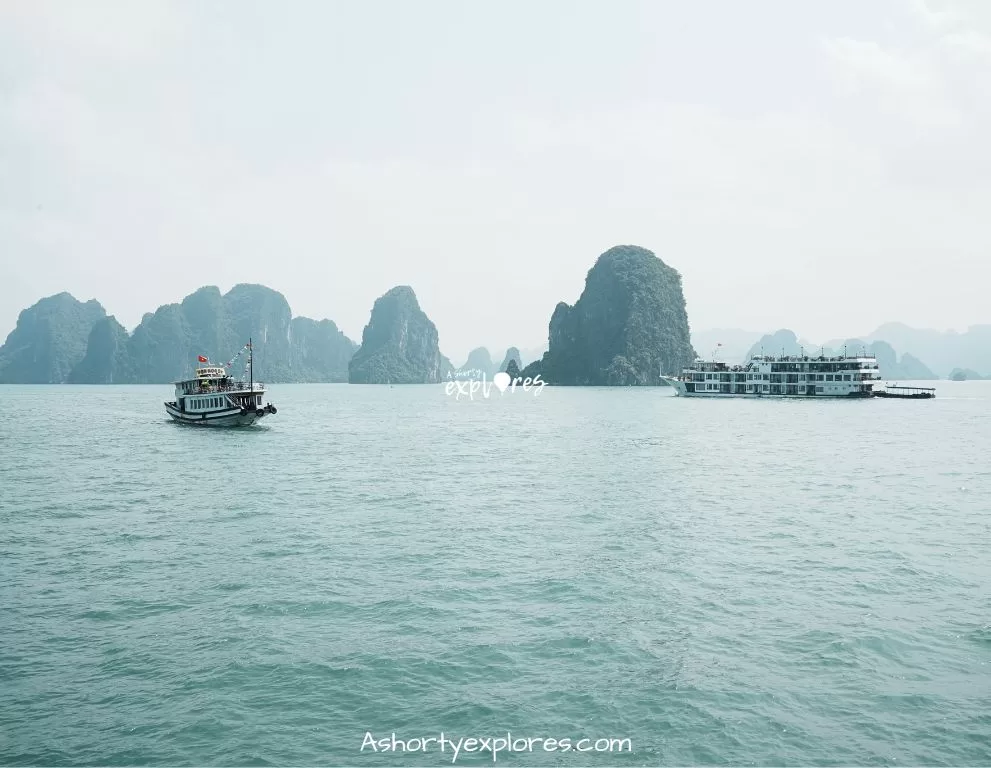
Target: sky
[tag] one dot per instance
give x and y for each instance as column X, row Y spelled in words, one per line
column 820, row 166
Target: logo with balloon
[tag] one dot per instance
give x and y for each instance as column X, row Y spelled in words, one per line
column 471, row 383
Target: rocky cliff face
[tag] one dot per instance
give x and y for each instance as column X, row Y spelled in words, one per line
column 49, row 340
column 107, row 359
column 399, row 345
column 628, row 326
column 320, row 351
column 85, row 346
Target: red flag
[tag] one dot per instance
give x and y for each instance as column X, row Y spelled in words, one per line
column 202, row 359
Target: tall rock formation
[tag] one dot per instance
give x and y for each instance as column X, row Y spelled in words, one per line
column 513, row 369
column 781, row 342
column 320, row 351
column 49, row 340
column 399, row 344
column 479, row 363
column 628, row 326
column 107, row 360
column 512, row 356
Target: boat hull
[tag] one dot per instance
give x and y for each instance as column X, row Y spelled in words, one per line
column 762, row 396
column 917, row 396
column 229, row 417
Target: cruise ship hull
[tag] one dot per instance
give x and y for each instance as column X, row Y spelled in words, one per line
column 229, row 417
column 762, row 396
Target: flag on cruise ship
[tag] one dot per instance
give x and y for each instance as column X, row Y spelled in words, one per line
column 202, row 359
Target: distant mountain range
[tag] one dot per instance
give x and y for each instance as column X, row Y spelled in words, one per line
column 923, row 353
column 61, row 340
column 628, row 325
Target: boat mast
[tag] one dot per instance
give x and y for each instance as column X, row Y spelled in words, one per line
column 251, row 369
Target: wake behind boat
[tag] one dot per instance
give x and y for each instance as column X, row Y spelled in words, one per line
column 215, row 399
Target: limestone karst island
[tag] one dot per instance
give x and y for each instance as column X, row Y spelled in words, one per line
column 628, row 326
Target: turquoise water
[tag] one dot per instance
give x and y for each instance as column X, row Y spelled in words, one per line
column 720, row 582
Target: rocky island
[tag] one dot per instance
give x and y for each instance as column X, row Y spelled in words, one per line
column 627, row 328
column 49, row 340
column 479, row 363
column 61, row 340
column 399, row 345
column 965, row 374
column 512, row 357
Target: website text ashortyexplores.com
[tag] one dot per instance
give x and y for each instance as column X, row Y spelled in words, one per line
column 456, row 746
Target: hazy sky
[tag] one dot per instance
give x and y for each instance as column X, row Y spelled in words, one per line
column 822, row 166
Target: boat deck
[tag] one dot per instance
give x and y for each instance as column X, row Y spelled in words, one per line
column 907, row 393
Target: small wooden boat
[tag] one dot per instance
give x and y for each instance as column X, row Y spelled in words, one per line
column 907, row 393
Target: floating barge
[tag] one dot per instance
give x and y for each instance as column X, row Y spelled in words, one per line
column 907, row 393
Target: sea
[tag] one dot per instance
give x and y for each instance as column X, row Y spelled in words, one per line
column 409, row 575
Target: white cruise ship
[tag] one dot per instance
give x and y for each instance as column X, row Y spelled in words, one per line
column 786, row 376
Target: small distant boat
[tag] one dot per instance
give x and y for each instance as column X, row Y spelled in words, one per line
column 215, row 399
column 907, row 393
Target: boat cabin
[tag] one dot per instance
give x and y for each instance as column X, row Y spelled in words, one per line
column 213, row 388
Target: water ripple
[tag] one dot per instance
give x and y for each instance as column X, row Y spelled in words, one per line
column 725, row 583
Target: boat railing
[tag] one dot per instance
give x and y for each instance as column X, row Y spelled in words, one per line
column 811, row 358
column 234, row 386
